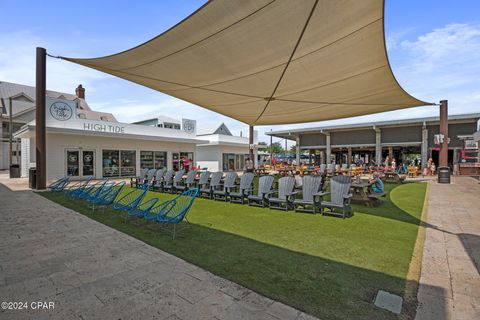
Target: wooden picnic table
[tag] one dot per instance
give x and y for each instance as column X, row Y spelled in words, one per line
column 286, row 171
column 393, row 177
column 260, row 171
column 362, row 193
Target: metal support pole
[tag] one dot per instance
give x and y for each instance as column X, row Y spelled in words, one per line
column 10, row 131
column 40, row 136
column 297, row 150
column 424, row 148
column 250, row 142
column 328, row 150
column 271, row 149
column 378, row 147
column 443, row 156
column 443, row 169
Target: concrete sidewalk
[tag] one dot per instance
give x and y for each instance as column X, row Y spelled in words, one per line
column 450, row 281
column 51, row 254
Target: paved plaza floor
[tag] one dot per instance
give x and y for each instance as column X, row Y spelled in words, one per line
column 450, row 281
column 51, row 254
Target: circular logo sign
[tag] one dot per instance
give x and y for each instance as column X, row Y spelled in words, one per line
column 188, row 126
column 61, row 111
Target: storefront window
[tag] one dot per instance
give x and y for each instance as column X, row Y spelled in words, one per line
column 182, row 160
column 118, row 163
column 232, row 161
column 228, row 162
column 127, row 165
column 160, row 159
column 110, row 159
column 146, row 159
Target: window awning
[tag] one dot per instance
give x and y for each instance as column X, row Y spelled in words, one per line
column 270, row 61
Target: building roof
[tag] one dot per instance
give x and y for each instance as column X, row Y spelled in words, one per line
column 214, row 128
column 24, row 99
column 160, row 119
column 470, row 117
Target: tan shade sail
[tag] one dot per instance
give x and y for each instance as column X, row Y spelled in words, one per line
column 271, row 62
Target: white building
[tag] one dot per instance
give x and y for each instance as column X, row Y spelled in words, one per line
column 23, row 111
column 83, row 147
column 82, row 142
column 224, row 151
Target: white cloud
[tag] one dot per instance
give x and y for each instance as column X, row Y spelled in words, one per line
column 17, row 64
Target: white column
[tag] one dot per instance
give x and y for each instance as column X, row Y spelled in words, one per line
column 329, row 149
column 298, row 150
column 424, row 146
column 378, row 146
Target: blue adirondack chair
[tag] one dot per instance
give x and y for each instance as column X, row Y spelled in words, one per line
column 92, row 188
column 131, row 199
column 77, row 188
column 107, row 196
column 173, row 212
column 60, row 184
column 141, row 208
column 96, row 192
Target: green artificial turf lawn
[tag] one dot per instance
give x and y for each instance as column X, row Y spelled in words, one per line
column 325, row 266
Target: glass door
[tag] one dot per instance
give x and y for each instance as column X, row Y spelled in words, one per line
column 176, row 161
column 73, row 163
column 88, row 165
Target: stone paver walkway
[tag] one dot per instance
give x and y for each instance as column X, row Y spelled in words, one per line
column 90, row 271
column 450, row 281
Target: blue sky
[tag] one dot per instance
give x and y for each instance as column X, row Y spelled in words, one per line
column 434, row 49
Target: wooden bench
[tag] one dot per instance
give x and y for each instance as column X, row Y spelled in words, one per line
column 374, row 198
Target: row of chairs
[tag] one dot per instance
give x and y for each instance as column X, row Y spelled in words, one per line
column 284, row 197
column 104, row 193
column 164, row 180
column 100, row 193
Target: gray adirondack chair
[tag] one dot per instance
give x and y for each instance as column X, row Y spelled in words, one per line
column 263, row 192
column 203, row 181
column 167, row 180
column 134, row 181
column 244, row 189
column 228, row 186
column 176, row 181
column 148, row 178
column 323, row 167
column 307, row 203
column 284, row 194
column 157, row 181
column 340, row 197
column 188, row 183
column 331, row 168
column 214, row 184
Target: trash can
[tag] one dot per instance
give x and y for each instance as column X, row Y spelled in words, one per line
column 32, row 178
column 443, row 175
column 14, row 171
